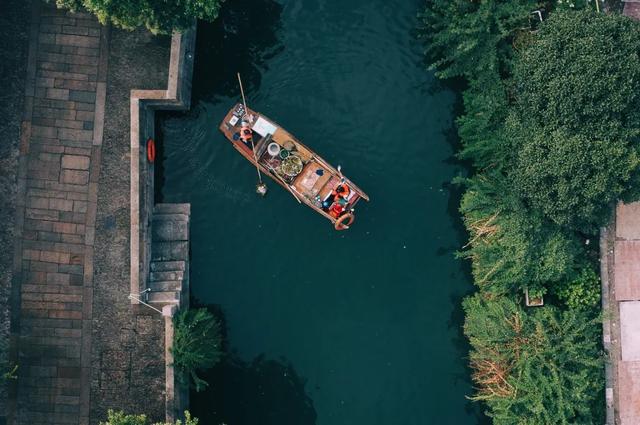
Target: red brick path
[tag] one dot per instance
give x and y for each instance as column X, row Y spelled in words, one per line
column 59, row 166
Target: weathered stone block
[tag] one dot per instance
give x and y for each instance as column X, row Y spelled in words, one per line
column 75, row 162
column 57, row 94
column 60, row 205
column 34, row 202
column 76, row 135
column 82, row 96
column 77, row 40
column 80, row 206
column 38, row 214
column 74, row 176
column 69, row 124
column 41, row 131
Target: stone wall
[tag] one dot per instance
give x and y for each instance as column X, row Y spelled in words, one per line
column 144, row 103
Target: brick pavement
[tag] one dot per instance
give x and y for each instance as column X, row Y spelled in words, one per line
column 60, row 151
column 621, row 298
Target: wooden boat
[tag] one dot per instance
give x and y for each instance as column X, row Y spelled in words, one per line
column 278, row 154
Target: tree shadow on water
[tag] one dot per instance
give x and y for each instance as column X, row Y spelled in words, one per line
column 242, row 39
column 260, row 392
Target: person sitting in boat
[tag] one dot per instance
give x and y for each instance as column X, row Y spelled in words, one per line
column 336, row 210
column 246, row 134
column 342, row 191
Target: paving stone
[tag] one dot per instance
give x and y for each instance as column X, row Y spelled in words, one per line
column 80, row 206
column 62, row 75
column 77, row 151
column 60, row 205
column 72, row 85
column 73, row 29
column 45, row 82
column 75, row 135
column 54, row 113
column 85, row 106
column 82, row 96
column 76, row 40
column 40, row 214
column 74, row 176
column 75, row 162
column 57, row 94
column 69, row 124
column 41, row 131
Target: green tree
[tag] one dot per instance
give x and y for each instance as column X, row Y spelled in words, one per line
column 161, row 17
column 197, row 344
column 576, row 119
column 511, row 247
column 120, row 418
column 480, row 127
column 581, row 293
column 466, row 38
column 572, row 178
column 542, row 367
column 582, row 75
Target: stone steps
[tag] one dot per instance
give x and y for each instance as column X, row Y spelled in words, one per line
column 169, row 253
column 165, row 285
column 172, row 209
column 164, row 297
column 165, row 266
column 166, row 275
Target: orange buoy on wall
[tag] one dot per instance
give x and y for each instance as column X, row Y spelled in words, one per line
column 151, row 150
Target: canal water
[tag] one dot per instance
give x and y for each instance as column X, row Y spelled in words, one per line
column 324, row 327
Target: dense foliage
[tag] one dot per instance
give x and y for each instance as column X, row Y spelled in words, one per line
column 466, row 38
column 120, row 418
column 583, row 293
column 158, row 16
column 577, row 90
column 572, row 178
column 551, row 124
column 197, row 344
column 542, row 367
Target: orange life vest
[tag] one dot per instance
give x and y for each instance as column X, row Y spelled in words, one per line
column 246, row 134
column 335, row 210
column 344, row 193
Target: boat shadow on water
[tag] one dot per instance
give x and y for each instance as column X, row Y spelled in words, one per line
column 242, row 39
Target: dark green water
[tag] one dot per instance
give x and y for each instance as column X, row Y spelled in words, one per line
column 328, row 328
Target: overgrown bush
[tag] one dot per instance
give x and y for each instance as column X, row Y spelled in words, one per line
column 577, row 117
column 197, row 344
column 466, row 38
column 158, row 16
column 512, row 248
column 581, row 293
column 539, row 367
column 120, row 418
column 571, row 178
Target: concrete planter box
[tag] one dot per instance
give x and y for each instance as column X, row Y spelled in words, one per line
column 532, row 302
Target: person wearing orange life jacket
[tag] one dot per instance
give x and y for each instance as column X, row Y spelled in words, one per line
column 245, row 133
column 336, row 210
column 342, row 191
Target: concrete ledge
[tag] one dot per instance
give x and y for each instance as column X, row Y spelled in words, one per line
column 177, row 96
column 143, row 104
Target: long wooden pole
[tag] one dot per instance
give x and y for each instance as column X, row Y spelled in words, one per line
column 253, row 148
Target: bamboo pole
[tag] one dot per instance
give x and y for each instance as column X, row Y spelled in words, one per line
column 261, row 186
